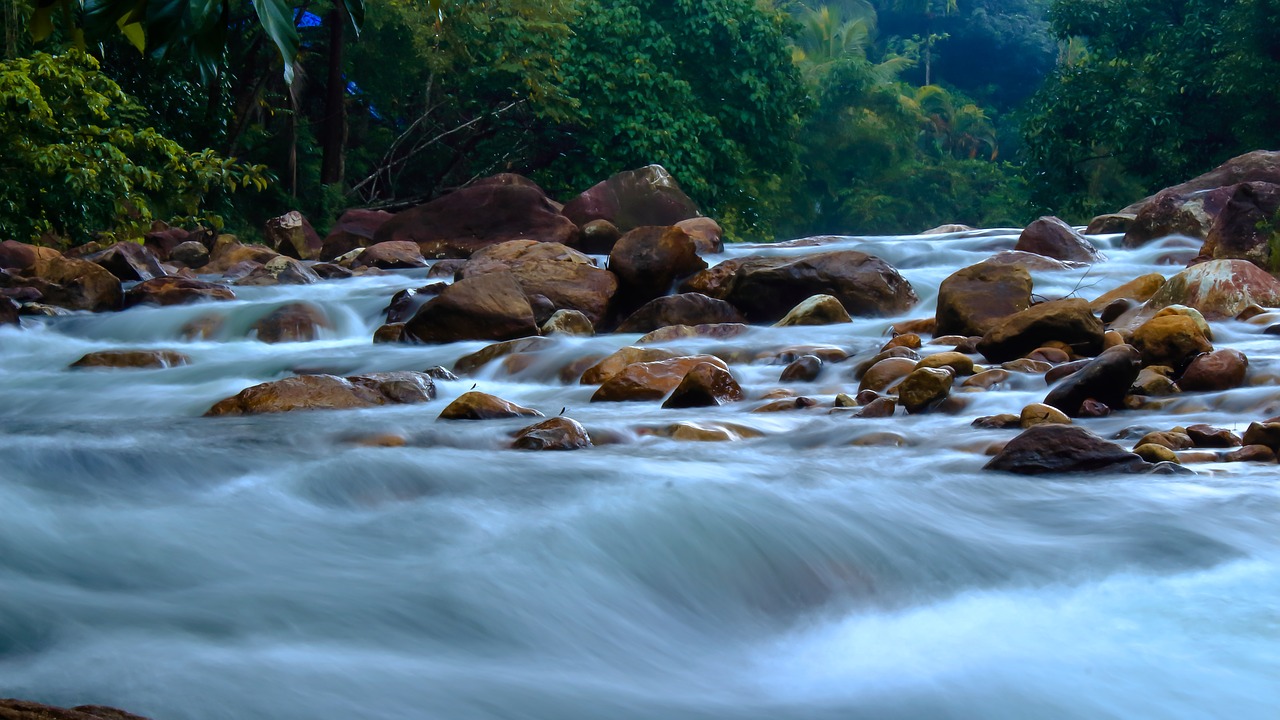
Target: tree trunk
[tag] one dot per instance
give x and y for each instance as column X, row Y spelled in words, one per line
column 334, row 136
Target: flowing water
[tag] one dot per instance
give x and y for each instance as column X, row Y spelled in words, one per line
column 267, row 567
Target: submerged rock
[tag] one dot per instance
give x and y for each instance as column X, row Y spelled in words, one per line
column 327, row 392
column 140, row 359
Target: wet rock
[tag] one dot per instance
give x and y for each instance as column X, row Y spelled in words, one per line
column 909, row 340
column 960, row 364
column 1264, row 433
column 390, row 333
column 683, row 309
column 557, row 433
column 925, row 389
column 228, row 252
column 817, row 310
column 12, row 709
column 464, row 221
column 1106, row 379
column 295, row 322
column 898, row 352
column 1170, row 340
column 1246, row 226
column 1154, row 381
column 1051, row 355
column 805, row 368
column 1051, row 237
column 1251, row 453
column 706, row 385
column 570, row 323
column 1027, row 365
column 709, row 432
column 1110, row 223
column 487, row 307
column 1175, row 212
column 649, row 260
column 8, row 312
column 1256, row 166
column 191, row 254
column 1069, row 321
column 176, row 291
column 1003, row 421
column 1046, row 449
column 1093, row 409
column 1217, row 370
column 69, row 283
column 707, row 234
column 650, row 380
column 162, row 239
column 140, row 359
column 886, row 372
column 921, row 326
column 314, row 392
column 1167, row 439
column 1140, row 289
column 403, row 387
column 470, row 363
column 447, row 269
column 129, row 262
column 391, row 255
column 866, row 397
column 1113, row 310
column 879, row 408
column 567, row 278
column 353, row 230
column 718, row 331
column 947, row 229
column 977, row 298
column 648, row 196
column 786, row 405
column 1219, row 288
column 1156, row 454
column 1041, row 414
column 1207, row 436
column 619, row 360
column 280, row 271
column 1029, row 261
column 475, row 405
column 599, row 237
column 987, row 379
column 292, row 236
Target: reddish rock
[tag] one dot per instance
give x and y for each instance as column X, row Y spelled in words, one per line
column 128, row 261
column 1256, row 166
column 1263, row 433
column 650, row 380
column 1139, row 289
column 11, row 709
column 599, row 237
column 162, row 239
column 470, row 363
column 140, row 359
column 619, row 360
column 295, row 322
column 354, row 229
column 717, row 331
column 682, row 309
column 1051, row 448
column 1251, row 453
column 567, row 279
column 292, row 235
column 8, row 312
column 1207, row 436
column 975, row 299
column 568, row 322
column 487, row 307
column 1246, row 226
column 1110, row 223
column 391, row 255
column 632, row 199
column 884, row 373
column 1068, row 321
column 69, row 283
column 817, row 310
column 557, row 433
column 1028, row 261
column 1173, row 212
column 649, row 260
column 706, row 385
column 805, row 368
column 228, row 252
column 175, row 291
column 707, row 234
column 458, row 224
column 1217, row 370
column 1219, row 288
column 1051, row 237
column 483, row 406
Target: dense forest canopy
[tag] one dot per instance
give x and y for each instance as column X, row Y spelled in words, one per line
column 781, row 118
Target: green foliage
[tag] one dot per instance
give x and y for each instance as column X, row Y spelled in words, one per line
column 76, row 161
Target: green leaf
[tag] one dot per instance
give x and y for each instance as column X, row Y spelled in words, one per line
column 277, row 20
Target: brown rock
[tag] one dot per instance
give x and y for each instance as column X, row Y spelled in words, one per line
column 987, row 379
column 1028, row 261
column 817, row 310
column 192, row 254
column 162, row 239
column 11, row 709
column 1219, row 288
column 1154, row 381
column 227, row 252
column 886, row 372
column 599, row 237
column 1051, row 237
column 648, row 261
column 1251, row 453
column 1246, row 226
column 470, row 363
column 391, row 255
column 128, row 261
column 1267, row 433
column 1217, row 370
column 1207, row 436
column 1156, row 454
column 1170, row 340
column 1168, row 439
column 706, row 385
column 879, row 408
column 1004, row 421
column 717, row 331
column 1045, row 449
column 390, row 333
column 291, row 235
column 924, row 389
column 1069, row 321
column 1110, row 223
column 619, row 360
column 571, row 323
column 175, row 291
column 1106, row 379
column 1041, row 414
column 683, row 309
column 709, row 432
column 295, row 322
column 975, row 299
column 909, row 340
column 69, row 283
column 354, row 229
column 805, row 368
column 9, row 312
column 1027, row 365
column 487, row 307
column 786, row 405
column 483, row 406
column 142, row 359
column 399, row 387
column 1140, row 289
column 650, row 380
column 959, row 363
column 557, row 433
column 279, row 271
column 306, row 392
column 1173, row 212
column 706, row 233
column 634, row 198
column 1256, row 166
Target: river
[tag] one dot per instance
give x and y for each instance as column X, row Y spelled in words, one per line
column 267, row 567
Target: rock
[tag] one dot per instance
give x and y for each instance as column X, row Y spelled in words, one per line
column 9, row 312
column 1217, row 370
column 920, row 326
column 786, row 404
column 706, row 385
column 391, row 255
column 292, row 236
column 975, row 299
column 568, row 322
column 1171, row 212
column 959, row 363
column 925, row 389
column 567, row 278
column 1044, row 449
column 707, row 432
column 987, row 379
column 295, row 322
column 1219, row 288
column 191, row 253
column 513, row 253
column 947, row 229
column 707, row 234
column 1110, row 223
column 1167, row 439
column 896, row 352
column 634, row 198
column 167, row 291
column 11, row 709
column 487, row 307
column 1051, row 237
column 1154, row 381
column 317, row 392
column 1265, row 433
column 1156, row 454
column 886, row 372
column 599, row 237
column 1246, row 226
column 470, row 363
column 716, row 331
column 650, row 380
column 805, row 368
column 483, row 406
column 1140, row 289
column 354, row 229
column 879, row 408
column 1251, row 453
column 1069, row 321
column 390, row 333
column 227, row 252
column 1106, row 379
column 682, row 309
column 403, row 387
column 1042, row 414
column 1027, row 365
column 764, row 287
column 1093, row 409
column 162, row 239
column 1051, row 355
column 141, row 359
column 558, row 433
column 619, row 360
column 69, row 283
column 129, row 261
column 817, row 310
column 1207, row 436
column 648, row 261
column 1256, row 166
column 1171, row 340
column 910, row 341
column 281, row 270
column 464, row 221
column 1028, row 261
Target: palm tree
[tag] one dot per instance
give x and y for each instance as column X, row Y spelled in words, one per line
column 826, row 38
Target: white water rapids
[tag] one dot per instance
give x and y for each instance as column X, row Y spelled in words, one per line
column 264, row 567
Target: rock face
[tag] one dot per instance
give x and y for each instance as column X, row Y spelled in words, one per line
column 391, row 255
column 1247, row 226
column 975, row 299
column 706, row 385
column 295, row 322
column 632, row 199
column 128, row 262
column 765, row 288
column 557, row 433
column 483, row 406
column 1051, row 237
column 1106, row 378
column 1066, row 321
column 1053, row 448
column 648, row 261
column 141, row 359
column 1256, row 166
column 682, row 309
column 70, row 283
column 355, row 229
column 327, row 392
column 292, row 236
column 458, row 224
column 1219, row 288
column 817, row 310
column 565, row 277
column 651, row 380
column 1172, row 212
column 488, row 307
column 175, row 291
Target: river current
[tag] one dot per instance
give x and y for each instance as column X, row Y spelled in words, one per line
column 184, row 567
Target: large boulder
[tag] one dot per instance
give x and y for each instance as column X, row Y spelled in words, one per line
column 706, row 385
column 20, row 256
column 1173, row 212
column 1247, row 226
column 129, row 262
column 682, row 309
column 973, row 300
column 651, row 380
column 391, row 255
column 292, row 235
column 1051, row 237
column 69, row 283
column 649, row 260
column 486, row 307
column 475, row 405
column 295, row 322
column 1219, row 289
column 1067, row 321
column 765, row 288
column 632, row 199
column 175, row 291
column 1106, row 379
column 327, row 392
column 1256, row 166
column 354, row 229
column 458, row 224
column 566, row 277
column 1053, row 448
